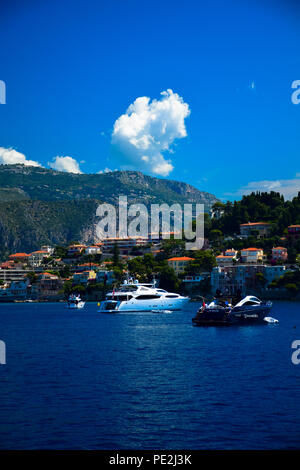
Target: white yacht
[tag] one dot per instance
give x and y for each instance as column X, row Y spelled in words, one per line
column 74, row 301
column 138, row 297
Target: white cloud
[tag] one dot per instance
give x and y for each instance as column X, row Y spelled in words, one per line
column 106, row 170
column 11, row 157
column 289, row 188
column 149, row 128
column 68, row 164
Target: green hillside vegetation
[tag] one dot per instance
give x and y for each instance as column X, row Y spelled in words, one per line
column 41, row 206
column 26, row 225
column 257, row 207
column 49, row 185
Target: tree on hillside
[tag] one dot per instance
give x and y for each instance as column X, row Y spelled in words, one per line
column 204, row 260
column 168, row 279
column 116, row 255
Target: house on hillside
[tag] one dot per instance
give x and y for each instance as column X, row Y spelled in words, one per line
column 21, row 257
column 252, row 255
column 279, row 253
column 179, row 263
column 262, row 229
column 36, row 258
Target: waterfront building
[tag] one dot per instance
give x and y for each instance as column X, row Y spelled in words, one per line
column 84, row 277
column 49, row 287
column 242, row 278
column 105, row 276
column 274, row 272
column 16, row 290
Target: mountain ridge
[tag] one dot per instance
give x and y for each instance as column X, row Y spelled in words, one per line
column 44, row 206
column 33, row 181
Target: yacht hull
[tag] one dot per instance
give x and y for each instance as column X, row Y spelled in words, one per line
column 232, row 316
column 133, row 306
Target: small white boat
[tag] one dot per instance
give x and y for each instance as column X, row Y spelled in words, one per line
column 74, row 301
column 271, row 320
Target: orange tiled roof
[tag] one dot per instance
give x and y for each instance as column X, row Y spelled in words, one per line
column 18, row 255
column 254, row 223
column 252, row 249
column 88, row 264
column 181, row 258
column 293, row 226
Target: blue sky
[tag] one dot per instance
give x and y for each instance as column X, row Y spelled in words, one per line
column 73, row 68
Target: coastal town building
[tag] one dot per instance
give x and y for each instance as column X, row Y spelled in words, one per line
column 36, row 258
column 83, row 267
column 49, row 287
column 242, row 278
column 179, row 263
column 93, row 249
column 223, row 260
column 261, row 229
column 22, row 257
column 227, row 258
column 15, row 290
column 279, row 254
column 294, row 232
column 75, row 250
column 84, row 277
column 125, row 245
column 252, row 255
column 103, row 277
column 274, row 272
column 16, row 274
column 49, row 249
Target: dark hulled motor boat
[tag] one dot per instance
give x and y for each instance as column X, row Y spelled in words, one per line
column 221, row 312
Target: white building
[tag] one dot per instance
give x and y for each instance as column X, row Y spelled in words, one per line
column 93, row 250
column 36, row 258
column 252, row 255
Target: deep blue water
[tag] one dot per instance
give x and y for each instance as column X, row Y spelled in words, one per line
column 83, row 380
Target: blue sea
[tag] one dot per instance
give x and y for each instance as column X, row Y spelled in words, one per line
column 84, row 380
